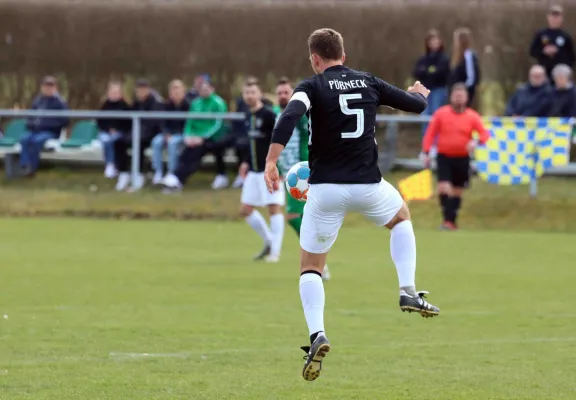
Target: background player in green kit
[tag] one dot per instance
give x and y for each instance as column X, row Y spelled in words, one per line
column 296, row 150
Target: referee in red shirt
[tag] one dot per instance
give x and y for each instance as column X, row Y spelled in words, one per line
column 451, row 128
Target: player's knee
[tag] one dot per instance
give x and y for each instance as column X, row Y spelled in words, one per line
column 245, row 210
column 444, row 188
column 292, row 216
column 457, row 191
column 274, row 209
column 402, row 215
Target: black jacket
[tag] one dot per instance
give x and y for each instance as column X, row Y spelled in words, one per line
column 560, row 39
column 564, row 103
column 530, row 101
column 118, row 124
column 50, row 124
column 175, row 126
column 149, row 127
column 432, row 70
column 467, row 71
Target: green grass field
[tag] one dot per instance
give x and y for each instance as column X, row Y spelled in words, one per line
column 176, row 310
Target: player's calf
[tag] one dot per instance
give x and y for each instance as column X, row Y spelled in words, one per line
column 258, row 223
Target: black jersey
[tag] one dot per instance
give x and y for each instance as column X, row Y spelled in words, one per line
column 260, row 125
column 341, row 105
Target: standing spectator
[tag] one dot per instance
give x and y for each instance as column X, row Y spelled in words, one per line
column 533, row 99
column 110, row 130
column 464, row 63
column 41, row 129
column 171, row 135
column 201, row 136
column 199, row 80
column 433, row 69
column 453, row 126
column 552, row 45
column 145, row 100
column 564, row 100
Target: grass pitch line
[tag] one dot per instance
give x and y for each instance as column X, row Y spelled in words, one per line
column 150, row 355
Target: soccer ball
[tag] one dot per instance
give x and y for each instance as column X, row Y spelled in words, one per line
column 297, row 181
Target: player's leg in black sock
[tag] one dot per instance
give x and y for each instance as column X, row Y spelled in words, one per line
column 444, row 199
column 456, row 204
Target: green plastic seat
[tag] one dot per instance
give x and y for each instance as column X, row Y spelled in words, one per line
column 83, row 134
column 14, row 131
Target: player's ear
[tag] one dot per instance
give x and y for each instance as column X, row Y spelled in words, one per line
column 343, row 58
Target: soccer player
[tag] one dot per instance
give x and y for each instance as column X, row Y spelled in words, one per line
column 452, row 126
column 260, row 121
column 296, row 150
column 341, row 104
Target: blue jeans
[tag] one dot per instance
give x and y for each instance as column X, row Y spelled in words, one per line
column 173, row 144
column 436, row 99
column 32, row 144
column 108, row 140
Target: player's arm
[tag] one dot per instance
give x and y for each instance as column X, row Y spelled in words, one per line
column 483, row 134
column 296, row 108
column 431, row 133
column 399, row 99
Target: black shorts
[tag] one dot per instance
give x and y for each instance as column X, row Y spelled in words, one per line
column 455, row 170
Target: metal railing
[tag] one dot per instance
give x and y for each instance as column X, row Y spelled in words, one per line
column 387, row 154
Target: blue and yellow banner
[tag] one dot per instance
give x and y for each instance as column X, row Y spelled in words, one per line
column 521, row 149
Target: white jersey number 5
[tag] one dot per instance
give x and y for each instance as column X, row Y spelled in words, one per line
column 359, row 113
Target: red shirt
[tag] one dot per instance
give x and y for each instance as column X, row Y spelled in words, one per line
column 454, row 131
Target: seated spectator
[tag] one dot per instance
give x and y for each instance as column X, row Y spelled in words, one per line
column 41, row 129
column 171, row 135
column 433, row 69
column 564, row 101
column 241, row 142
column 145, row 100
column 201, row 136
column 110, row 130
column 199, row 80
column 532, row 99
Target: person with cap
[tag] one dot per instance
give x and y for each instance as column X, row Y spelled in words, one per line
column 146, row 99
column 41, row 129
column 553, row 45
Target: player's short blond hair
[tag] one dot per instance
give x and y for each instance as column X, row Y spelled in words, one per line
column 176, row 83
column 327, row 43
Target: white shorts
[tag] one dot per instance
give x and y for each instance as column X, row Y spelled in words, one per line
column 255, row 193
column 328, row 204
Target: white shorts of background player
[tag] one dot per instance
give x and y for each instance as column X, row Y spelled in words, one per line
column 255, row 193
column 328, row 204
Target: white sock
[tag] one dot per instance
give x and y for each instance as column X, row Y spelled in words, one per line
column 312, row 296
column 403, row 251
column 277, row 228
column 258, row 223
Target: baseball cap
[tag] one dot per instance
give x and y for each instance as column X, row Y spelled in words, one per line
column 142, row 83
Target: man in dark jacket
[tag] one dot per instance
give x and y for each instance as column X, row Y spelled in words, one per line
column 533, row 99
column 41, row 129
column 564, row 101
column 552, row 45
column 146, row 99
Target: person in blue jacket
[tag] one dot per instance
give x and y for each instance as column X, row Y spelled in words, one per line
column 41, row 129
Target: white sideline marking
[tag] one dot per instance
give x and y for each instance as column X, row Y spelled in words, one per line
column 149, row 355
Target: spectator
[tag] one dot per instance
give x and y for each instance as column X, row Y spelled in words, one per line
column 199, row 80
column 200, row 137
column 171, row 134
column 464, row 63
column 432, row 69
column 564, row 100
column 240, row 129
column 552, row 45
column 145, row 100
column 41, row 129
column 532, row 99
column 110, row 130
column 452, row 126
